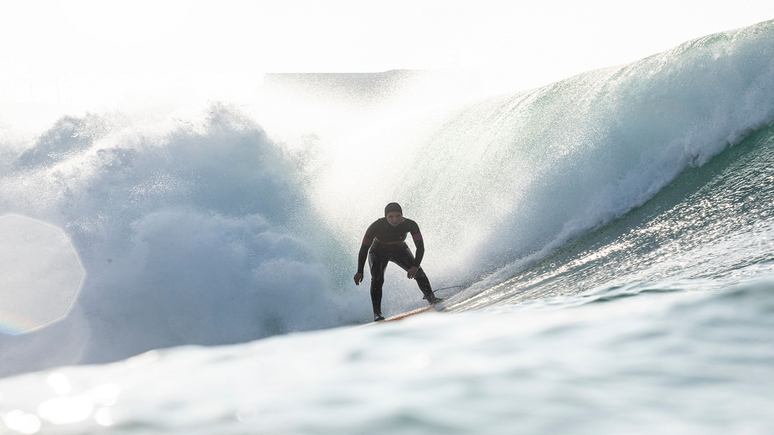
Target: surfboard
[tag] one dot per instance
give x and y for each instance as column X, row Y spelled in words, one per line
column 424, row 309
column 409, row 313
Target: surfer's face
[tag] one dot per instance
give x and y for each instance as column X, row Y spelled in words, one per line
column 394, row 218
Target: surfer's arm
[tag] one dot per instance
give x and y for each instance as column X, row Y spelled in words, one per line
column 412, row 272
column 420, row 249
column 418, row 242
column 361, row 258
column 368, row 239
column 363, row 254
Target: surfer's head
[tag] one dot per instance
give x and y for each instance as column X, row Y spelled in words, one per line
column 393, row 206
column 393, row 213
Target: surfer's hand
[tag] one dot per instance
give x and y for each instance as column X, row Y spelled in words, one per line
column 412, row 272
column 358, row 278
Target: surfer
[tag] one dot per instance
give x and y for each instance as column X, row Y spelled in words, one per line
column 384, row 241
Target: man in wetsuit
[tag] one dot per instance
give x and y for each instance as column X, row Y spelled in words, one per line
column 386, row 240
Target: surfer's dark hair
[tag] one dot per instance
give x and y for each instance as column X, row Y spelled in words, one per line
column 393, row 206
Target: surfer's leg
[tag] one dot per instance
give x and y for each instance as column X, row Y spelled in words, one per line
column 377, row 261
column 405, row 259
column 424, row 285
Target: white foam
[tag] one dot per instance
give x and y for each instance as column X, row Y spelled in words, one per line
column 190, row 234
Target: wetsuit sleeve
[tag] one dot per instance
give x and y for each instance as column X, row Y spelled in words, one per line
column 420, row 251
column 361, row 257
column 419, row 243
column 368, row 239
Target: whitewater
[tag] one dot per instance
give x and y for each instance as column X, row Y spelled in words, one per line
column 612, row 233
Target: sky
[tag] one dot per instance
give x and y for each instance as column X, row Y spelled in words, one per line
column 88, row 52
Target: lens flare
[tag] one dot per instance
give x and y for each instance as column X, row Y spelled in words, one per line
column 40, row 274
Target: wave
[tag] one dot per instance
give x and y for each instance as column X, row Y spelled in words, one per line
column 628, row 358
column 516, row 177
column 710, row 225
column 190, row 234
column 213, row 230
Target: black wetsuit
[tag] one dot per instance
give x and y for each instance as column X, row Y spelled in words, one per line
column 388, row 243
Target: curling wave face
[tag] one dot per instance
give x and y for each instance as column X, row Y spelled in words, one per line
column 531, row 171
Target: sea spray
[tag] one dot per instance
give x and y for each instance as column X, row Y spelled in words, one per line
column 190, row 235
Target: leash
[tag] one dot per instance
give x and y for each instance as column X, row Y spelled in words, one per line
column 446, row 288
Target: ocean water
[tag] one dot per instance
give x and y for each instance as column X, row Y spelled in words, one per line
column 613, row 233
